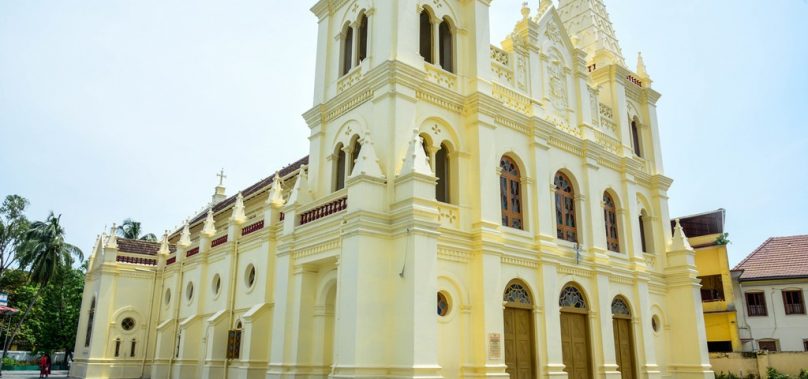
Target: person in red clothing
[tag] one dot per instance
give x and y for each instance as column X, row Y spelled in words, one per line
column 44, row 366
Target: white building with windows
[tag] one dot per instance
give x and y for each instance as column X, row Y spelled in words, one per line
column 466, row 210
column 770, row 286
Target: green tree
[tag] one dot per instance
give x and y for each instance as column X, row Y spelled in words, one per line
column 130, row 229
column 13, row 227
column 45, row 252
column 57, row 313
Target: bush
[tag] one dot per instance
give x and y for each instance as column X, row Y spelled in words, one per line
column 9, row 362
column 729, row 375
column 803, row 374
column 774, row 374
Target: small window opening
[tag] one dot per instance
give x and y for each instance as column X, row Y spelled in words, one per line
column 635, row 137
column 363, row 38
column 347, row 51
column 446, row 46
column 425, row 47
column 117, row 346
column 132, row 349
column 443, row 174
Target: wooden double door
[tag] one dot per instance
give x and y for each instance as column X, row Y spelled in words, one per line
column 519, row 344
column 575, row 345
column 624, row 347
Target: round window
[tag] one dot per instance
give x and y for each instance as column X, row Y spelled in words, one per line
column 655, row 323
column 168, row 296
column 217, row 284
column 249, row 276
column 128, row 323
column 189, row 291
column 443, row 304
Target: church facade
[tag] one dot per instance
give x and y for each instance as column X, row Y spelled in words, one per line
column 466, row 210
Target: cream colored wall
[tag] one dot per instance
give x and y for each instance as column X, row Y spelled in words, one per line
column 742, row 364
column 788, row 330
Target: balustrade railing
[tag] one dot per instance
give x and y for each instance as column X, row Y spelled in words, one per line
column 324, row 210
column 252, row 228
column 136, row 260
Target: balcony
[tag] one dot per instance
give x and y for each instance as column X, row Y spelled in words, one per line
column 324, row 210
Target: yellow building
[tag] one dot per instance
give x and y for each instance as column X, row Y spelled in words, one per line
column 465, row 211
column 705, row 233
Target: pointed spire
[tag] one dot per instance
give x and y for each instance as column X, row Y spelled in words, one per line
column 525, row 10
column 112, row 240
column 276, row 191
column 367, row 163
column 238, row 215
column 209, row 228
column 679, row 241
column 544, row 5
column 300, row 192
column 589, row 21
column 164, row 248
column 641, row 66
column 185, row 236
column 415, row 160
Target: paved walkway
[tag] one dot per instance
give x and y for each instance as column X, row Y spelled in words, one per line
column 32, row 374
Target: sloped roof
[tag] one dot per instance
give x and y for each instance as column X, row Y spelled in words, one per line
column 777, row 258
column 140, row 247
column 702, row 224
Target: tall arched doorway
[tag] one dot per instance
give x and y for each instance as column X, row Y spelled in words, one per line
column 575, row 333
column 623, row 338
column 520, row 355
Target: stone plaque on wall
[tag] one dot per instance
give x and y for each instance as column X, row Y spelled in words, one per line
column 494, row 345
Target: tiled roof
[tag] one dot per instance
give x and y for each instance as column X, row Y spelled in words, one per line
column 778, row 257
column 257, row 187
column 140, row 247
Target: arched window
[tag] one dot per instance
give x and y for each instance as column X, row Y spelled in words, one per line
column 132, row 348
column 620, row 308
column 510, row 193
column 443, row 174
column 117, row 347
column 644, row 232
column 355, row 148
column 347, row 50
column 571, row 297
column 339, row 169
column 90, row 317
column 516, row 293
column 566, row 227
column 446, row 50
column 363, row 38
column 425, row 37
column 610, row 219
column 635, row 138
column 234, row 342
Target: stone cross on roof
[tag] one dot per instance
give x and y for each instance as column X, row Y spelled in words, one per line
column 221, row 176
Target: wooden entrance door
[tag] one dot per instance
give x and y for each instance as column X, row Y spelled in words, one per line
column 623, row 347
column 575, row 345
column 519, row 355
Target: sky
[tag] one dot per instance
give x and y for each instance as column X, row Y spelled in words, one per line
column 114, row 109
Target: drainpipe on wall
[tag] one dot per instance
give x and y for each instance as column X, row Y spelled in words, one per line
column 231, row 302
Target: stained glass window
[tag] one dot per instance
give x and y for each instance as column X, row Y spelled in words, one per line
column 510, row 193
column 571, row 297
column 619, row 307
column 516, row 293
column 566, row 227
column 234, row 342
column 610, row 219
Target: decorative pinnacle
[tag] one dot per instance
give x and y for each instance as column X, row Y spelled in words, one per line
column 525, row 10
column 185, row 237
column 679, row 241
column 112, row 241
column 209, row 228
column 641, row 71
column 276, row 191
column 544, row 5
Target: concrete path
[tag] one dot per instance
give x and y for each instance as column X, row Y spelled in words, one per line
column 33, row 374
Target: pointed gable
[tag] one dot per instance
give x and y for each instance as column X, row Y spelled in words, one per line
column 588, row 22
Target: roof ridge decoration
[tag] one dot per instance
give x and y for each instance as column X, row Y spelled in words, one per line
column 367, row 163
column 209, row 228
column 300, row 192
column 112, row 241
column 415, row 160
column 588, row 21
column 276, row 191
column 679, row 241
column 164, row 249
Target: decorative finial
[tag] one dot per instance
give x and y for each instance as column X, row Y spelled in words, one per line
column 112, row 241
column 209, row 228
column 525, row 11
column 300, row 192
column 164, row 249
column 679, row 241
column 415, row 160
column 276, row 191
column 185, row 237
column 238, row 215
column 367, row 163
column 641, row 71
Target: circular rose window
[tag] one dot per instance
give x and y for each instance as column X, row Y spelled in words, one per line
column 443, row 304
column 128, row 323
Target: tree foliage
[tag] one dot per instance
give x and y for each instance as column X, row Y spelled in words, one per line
column 131, row 229
column 13, row 228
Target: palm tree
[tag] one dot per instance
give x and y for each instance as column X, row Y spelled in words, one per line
column 130, row 229
column 45, row 251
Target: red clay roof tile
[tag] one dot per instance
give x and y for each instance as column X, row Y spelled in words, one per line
column 777, row 257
